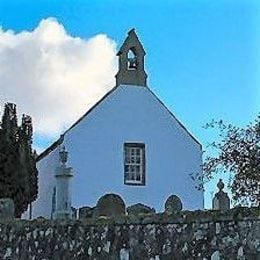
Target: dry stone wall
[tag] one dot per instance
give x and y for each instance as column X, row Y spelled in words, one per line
column 233, row 234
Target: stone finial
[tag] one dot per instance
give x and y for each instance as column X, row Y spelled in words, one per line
column 173, row 204
column 6, row 208
column 220, row 185
column 221, row 201
column 63, row 155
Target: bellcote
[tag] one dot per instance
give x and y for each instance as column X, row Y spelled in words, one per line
column 131, row 62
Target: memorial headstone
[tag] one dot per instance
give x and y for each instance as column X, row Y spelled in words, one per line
column 221, row 201
column 110, row 205
column 86, row 212
column 173, row 204
column 139, row 208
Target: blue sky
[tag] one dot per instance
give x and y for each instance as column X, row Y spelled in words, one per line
column 203, row 57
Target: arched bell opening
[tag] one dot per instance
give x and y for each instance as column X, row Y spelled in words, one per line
column 131, row 60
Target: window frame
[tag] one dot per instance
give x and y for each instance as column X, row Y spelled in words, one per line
column 142, row 164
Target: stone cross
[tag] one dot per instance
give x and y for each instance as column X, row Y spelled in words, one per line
column 221, row 201
column 63, row 190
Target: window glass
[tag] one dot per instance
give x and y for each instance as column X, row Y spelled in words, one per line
column 134, row 163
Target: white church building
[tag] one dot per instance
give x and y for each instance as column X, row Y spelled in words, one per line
column 129, row 143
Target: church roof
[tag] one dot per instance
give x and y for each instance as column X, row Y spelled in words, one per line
column 61, row 139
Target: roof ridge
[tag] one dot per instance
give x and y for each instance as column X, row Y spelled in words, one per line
column 178, row 121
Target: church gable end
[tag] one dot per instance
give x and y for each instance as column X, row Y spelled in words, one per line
column 128, row 143
column 131, row 72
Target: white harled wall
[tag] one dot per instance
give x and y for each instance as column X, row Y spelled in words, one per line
column 95, row 146
column 46, row 169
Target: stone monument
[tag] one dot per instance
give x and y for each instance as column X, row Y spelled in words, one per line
column 86, row 212
column 63, row 190
column 139, row 208
column 221, row 200
column 110, row 205
column 173, row 204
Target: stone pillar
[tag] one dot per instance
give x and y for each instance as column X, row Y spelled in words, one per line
column 63, row 188
column 221, row 200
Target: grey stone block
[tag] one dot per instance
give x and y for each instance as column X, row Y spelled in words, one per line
column 6, row 208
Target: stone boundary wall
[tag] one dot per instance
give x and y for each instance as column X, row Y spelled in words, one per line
column 233, row 234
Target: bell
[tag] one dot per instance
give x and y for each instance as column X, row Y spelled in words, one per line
column 132, row 63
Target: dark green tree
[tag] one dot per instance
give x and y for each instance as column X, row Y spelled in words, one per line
column 18, row 173
column 8, row 151
column 238, row 153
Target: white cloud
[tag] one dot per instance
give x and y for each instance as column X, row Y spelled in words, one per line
column 53, row 76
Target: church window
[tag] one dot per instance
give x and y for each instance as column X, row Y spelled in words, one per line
column 131, row 60
column 134, row 163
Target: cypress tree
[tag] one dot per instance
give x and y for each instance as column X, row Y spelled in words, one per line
column 18, row 173
column 8, row 151
column 28, row 160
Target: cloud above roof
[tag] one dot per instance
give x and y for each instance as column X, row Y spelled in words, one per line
column 53, row 76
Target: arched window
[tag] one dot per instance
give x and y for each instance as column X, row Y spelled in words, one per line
column 131, row 60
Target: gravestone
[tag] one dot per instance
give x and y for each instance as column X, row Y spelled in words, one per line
column 86, row 212
column 221, row 200
column 6, row 208
column 173, row 204
column 74, row 213
column 110, row 205
column 139, row 208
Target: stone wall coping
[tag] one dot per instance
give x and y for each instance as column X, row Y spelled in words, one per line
column 183, row 217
